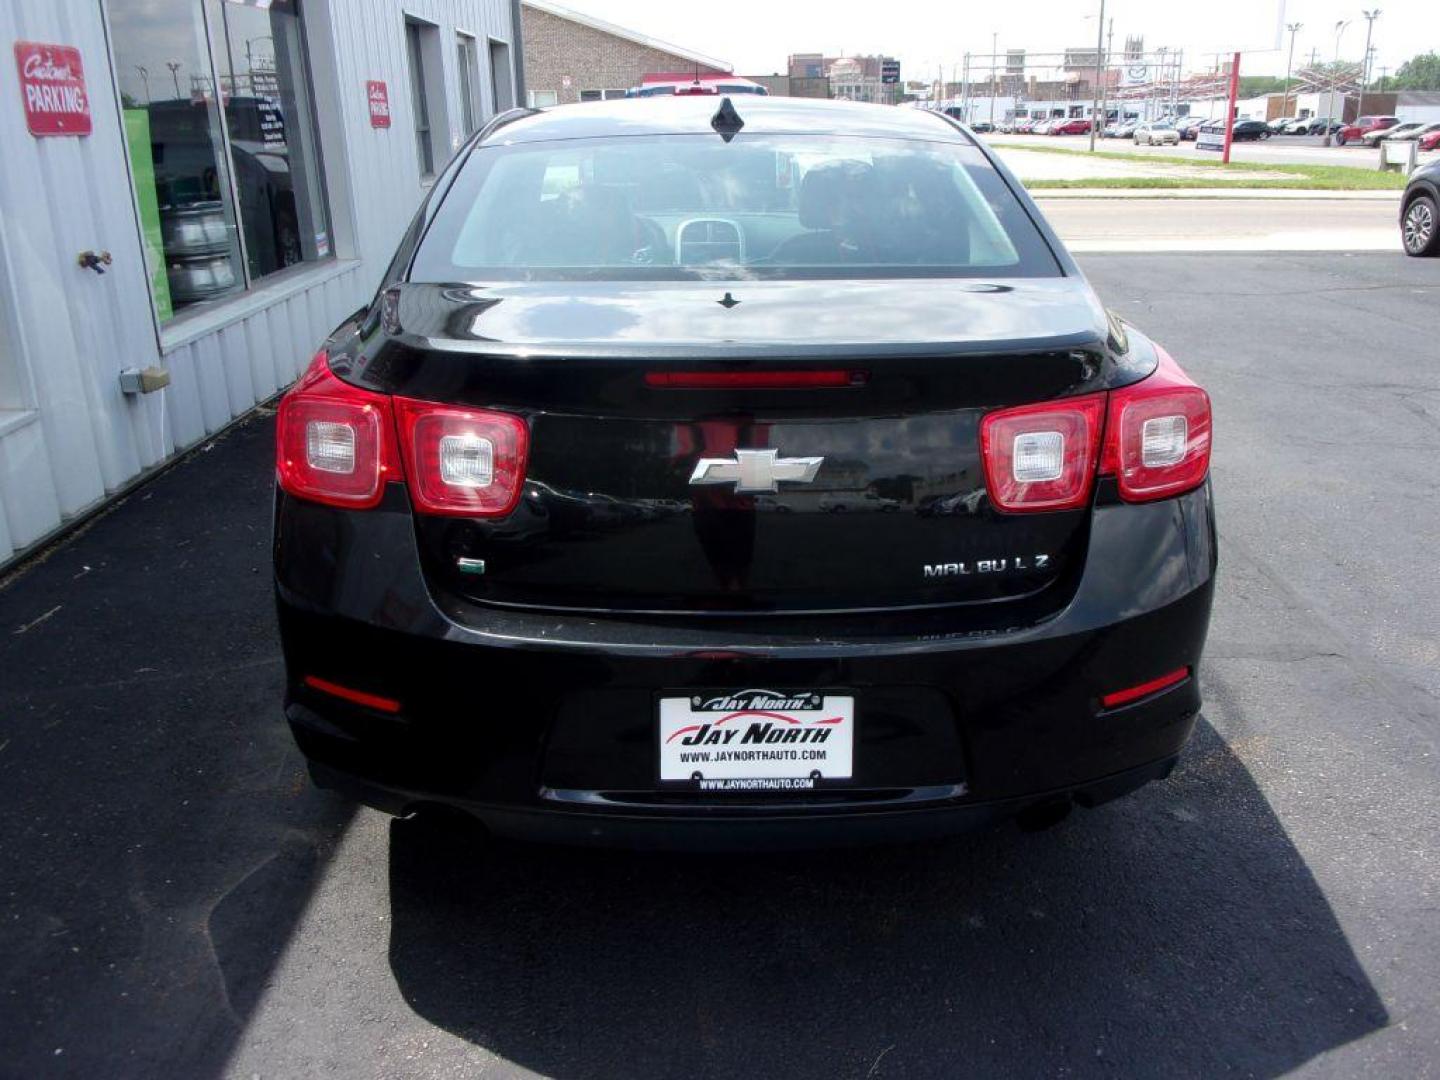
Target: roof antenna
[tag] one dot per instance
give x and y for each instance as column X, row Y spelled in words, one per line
column 726, row 120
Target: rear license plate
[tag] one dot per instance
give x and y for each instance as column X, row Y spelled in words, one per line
column 756, row 740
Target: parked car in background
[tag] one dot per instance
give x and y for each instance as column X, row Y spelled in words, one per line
column 982, row 127
column 1249, row 131
column 1324, row 126
column 1351, row 133
column 1402, row 133
column 1189, row 128
column 1280, row 125
column 1420, row 210
column 1431, row 141
column 487, row 602
column 1160, row 133
column 1399, row 131
column 1070, row 127
column 1298, row 127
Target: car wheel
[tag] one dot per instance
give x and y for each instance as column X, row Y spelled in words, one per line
column 1339, row 140
column 1420, row 227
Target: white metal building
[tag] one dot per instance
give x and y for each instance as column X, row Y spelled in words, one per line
column 248, row 169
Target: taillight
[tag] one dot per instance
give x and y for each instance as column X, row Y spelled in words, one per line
column 1157, row 436
column 334, row 442
column 467, row 462
column 1042, row 457
column 1156, row 444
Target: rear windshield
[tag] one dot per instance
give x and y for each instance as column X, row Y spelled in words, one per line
column 690, row 206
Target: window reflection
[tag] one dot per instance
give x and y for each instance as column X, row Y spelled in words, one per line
column 213, row 222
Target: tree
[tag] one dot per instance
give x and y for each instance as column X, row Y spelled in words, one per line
column 1252, row 86
column 1418, row 73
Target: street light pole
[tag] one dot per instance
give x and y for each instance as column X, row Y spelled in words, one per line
column 1099, row 73
column 1370, row 17
column 1294, row 29
column 994, row 86
column 1334, row 79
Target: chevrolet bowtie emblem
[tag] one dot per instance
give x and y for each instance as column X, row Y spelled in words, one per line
column 756, row 470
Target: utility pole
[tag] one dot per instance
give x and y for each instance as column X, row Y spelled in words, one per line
column 1370, row 17
column 1294, row 29
column 994, row 88
column 144, row 78
column 1095, row 114
column 1334, row 78
column 965, row 90
column 175, row 66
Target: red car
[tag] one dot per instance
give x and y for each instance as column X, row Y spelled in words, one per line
column 1071, row 127
column 1363, row 126
column 1431, row 141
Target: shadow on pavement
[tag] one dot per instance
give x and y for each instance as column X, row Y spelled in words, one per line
column 1174, row 933
column 158, row 833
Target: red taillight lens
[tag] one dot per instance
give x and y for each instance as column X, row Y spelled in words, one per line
column 1143, row 690
column 334, row 442
column 467, row 462
column 1042, row 457
column 1157, row 436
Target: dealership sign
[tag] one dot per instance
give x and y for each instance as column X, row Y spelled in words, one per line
column 1210, row 140
column 379, row 99
column 52, row 88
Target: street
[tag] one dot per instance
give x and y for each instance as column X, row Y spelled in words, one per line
column 1095, row 224
column 181, row 902
column 1279, row 150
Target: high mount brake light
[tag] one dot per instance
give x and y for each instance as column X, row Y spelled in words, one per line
column 1156, row 444
column 754, row 380
column 465, row 462
column 1042, row 457
column 1157, row 436
column 334, row 443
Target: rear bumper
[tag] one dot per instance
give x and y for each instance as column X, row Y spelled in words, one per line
column 544, row 727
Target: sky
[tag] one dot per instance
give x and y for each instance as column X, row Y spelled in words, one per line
column 757, row 35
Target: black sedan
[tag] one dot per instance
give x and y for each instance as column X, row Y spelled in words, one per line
column 1420, row 211
column 556, row 540
column 1249, row 131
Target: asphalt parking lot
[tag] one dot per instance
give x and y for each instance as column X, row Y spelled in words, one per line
column 178, row 901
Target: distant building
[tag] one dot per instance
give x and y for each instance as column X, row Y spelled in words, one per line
column 794, row 85
column 571, row 57
column 853, row 78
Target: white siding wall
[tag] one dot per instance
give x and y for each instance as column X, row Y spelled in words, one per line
column 68, row 437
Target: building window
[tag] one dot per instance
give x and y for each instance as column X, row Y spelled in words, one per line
column 224, row 159
column 420, row 99
column 502, row 85
column 540, row 99
column 601, row 95
column 467, row 59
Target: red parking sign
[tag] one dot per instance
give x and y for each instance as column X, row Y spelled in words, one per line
column 52, row 87
column 379, row 104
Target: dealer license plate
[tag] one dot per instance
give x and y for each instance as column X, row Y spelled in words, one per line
column 757, row 740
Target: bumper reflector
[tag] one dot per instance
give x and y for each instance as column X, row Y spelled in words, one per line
column 359, row 697
column 1144, row 689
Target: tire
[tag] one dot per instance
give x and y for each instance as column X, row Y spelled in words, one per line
column 1340, row 139
column 1420, row 227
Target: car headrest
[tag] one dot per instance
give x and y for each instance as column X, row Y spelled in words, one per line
column 828, row 186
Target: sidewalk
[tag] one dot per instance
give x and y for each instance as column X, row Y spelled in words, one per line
column 1281, row 194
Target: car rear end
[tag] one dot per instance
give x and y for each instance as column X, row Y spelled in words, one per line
column 765, row 538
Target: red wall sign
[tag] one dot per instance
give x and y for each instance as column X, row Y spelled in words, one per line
column 52, row 86
column 379, row 104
